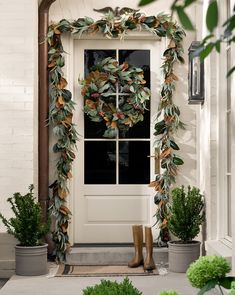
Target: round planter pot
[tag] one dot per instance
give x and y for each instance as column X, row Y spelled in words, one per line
column 182, row 255
column 31, row 261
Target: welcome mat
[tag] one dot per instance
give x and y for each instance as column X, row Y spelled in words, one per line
column 66, row 270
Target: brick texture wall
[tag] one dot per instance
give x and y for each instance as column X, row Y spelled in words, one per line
column 18, row 96
column 18, row 110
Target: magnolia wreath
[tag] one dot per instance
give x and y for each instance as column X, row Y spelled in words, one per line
column 115, row 94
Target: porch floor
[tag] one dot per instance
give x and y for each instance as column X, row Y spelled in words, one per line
column 50, row 285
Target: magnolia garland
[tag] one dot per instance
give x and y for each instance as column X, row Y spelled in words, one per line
column 62, row 108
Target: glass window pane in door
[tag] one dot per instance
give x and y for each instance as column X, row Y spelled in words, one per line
column 100, row 162
column 91, row 58
column 97, row 129
column 94, row 56
column 134, row 163
column 138, row 58
column 140, row 129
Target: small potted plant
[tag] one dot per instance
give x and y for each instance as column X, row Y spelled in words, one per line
column 27, row 227
column 186, row 214
column 209, row 272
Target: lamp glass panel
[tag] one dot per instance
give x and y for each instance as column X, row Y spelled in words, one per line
column 196, row 68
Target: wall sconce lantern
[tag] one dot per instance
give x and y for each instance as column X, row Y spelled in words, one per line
column 195, row 75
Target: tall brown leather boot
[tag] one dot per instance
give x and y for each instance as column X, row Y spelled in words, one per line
column 137, row 260
column 149, row 262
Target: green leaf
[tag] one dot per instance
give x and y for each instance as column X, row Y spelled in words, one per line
column 230, row 25
column 210, row 285
column 145, row 2
column 212, row 15
column 188, row 2
column 230, row 72
column 207, row 38
column 206, row 51
column 217, row 46
column 184, row 19
column 177, row 161
column 174, row 145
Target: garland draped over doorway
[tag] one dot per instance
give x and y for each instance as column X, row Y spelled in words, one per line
column 62, row 108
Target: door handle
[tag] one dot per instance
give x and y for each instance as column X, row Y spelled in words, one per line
column 156, row 161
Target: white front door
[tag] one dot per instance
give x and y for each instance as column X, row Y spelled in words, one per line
column 111, row 176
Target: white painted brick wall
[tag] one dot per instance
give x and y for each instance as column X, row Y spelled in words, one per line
column 18, row 98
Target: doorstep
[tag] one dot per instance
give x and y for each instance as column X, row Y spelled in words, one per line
column 110, row 255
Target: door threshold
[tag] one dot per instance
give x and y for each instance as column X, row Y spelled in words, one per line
column 108, row 245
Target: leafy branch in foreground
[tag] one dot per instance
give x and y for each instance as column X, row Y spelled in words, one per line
column 212, row 23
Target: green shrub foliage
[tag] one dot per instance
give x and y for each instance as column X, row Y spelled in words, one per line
column 232, row 291
column 26, row 225
column 107, row 287
column 186, row 213
column 207, row 268
column 170, row 292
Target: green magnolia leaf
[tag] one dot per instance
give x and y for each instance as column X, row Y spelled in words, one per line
column 206, row 51
column 159, row 127
column 210, row 285
column 67, row 95
column 184, row 19
column 150, row 20
column 212, row 15
column 96, row 119
column 177, row 161
column 132, row 89
column 188, row 2
column 145, row 2
column 103, row 88
column 230, row 72
column 174, row 145
column 50, row 33
column 230, row 25
column 217, row 46
column 52, row 51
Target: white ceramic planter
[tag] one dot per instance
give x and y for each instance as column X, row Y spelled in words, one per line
column 182, row 255
column 31, row 261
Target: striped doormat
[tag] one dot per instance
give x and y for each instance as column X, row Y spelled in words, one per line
column 66, row 270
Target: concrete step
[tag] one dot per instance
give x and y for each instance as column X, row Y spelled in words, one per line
column 110, row 255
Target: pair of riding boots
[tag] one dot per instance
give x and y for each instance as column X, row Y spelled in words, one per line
column 138, row 258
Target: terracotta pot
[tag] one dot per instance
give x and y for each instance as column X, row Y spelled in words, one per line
column 182, row 255
column 31, row 261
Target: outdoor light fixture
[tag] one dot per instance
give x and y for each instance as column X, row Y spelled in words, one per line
column 195, row 75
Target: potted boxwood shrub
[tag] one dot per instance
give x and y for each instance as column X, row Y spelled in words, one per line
column 186, row 214
column 27, row 227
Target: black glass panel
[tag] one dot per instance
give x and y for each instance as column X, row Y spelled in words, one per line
column 94, row 56
column 97, row 129
column 100, row 162
column 137, row 58
column 91, row 58
column 134, row 163
column 93, row 129
column 140, row 129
